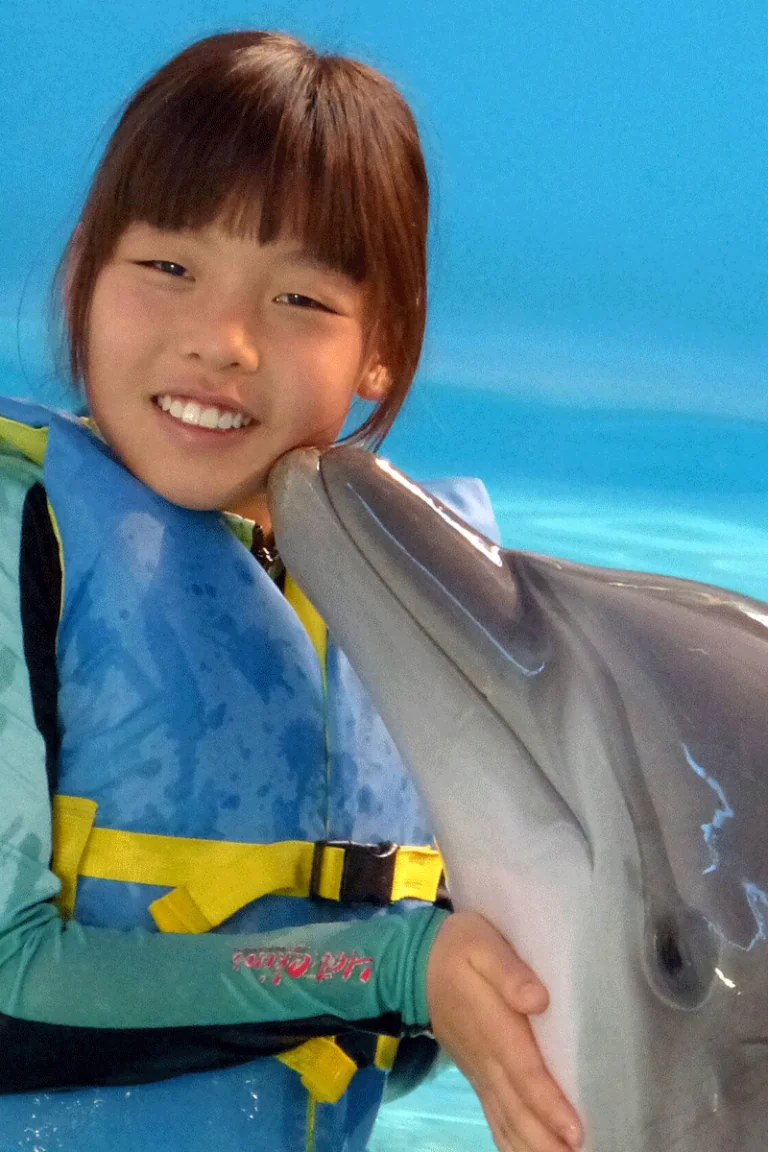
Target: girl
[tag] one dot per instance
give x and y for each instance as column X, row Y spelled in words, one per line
column 250, row 259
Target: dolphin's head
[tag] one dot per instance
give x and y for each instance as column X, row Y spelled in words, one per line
column 592, row 747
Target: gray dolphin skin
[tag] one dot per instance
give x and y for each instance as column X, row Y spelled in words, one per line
column 593, row 748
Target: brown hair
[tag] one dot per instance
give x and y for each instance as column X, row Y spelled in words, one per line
column 261, row 131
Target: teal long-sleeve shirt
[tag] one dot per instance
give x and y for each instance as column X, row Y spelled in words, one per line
column 85, row 1005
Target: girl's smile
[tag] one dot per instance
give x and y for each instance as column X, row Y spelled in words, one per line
column 211, row 355
column 190, row 412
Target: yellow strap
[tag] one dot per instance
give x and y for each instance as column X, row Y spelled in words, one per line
column 215, row 893
column 60, row 546
column 325, row 1069
column 417, row 874
column 386, row 1050
column 310, row 618
column 31, row 442
column 73, row 818
column 211, row 879
column 311, row 1122
column 216, row 890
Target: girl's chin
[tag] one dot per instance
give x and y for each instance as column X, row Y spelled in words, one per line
column 251, row 505
column 200, row 495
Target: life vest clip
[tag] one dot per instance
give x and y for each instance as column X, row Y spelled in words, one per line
column 367, row 875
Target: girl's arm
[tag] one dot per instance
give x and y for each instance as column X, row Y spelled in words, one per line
column 82, row 1005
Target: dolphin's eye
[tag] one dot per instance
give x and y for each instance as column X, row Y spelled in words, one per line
column 668, row 952
column 684, row 956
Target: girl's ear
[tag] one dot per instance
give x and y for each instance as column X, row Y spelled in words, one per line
column 375, row 383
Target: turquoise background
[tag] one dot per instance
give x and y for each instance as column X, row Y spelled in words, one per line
column 597, row 341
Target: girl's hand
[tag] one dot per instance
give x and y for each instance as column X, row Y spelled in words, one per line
column 480, row 994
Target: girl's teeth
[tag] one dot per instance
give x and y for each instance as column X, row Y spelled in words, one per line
column 190, row 412
column 209, row 418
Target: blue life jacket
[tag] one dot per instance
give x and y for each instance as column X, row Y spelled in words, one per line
column 192, row 704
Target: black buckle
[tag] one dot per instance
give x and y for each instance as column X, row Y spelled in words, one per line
column 368, row 873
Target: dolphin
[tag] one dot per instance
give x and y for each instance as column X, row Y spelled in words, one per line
column 592, row 746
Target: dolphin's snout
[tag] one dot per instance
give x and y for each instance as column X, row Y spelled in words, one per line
column 300, row 462
column 419, row 543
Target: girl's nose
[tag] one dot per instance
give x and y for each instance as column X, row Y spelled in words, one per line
column 222, row 338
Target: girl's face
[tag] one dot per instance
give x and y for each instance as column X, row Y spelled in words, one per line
column 210, row 356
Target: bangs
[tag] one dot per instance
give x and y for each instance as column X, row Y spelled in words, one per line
column 262, row 165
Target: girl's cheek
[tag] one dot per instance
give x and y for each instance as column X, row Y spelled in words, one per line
column 147, row 311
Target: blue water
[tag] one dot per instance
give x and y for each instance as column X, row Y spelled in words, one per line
column 669, row 493
column 443, row 1116
column 680, row 493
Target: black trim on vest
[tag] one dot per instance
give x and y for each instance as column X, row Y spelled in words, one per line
column 36, row 1056
column 40, row 595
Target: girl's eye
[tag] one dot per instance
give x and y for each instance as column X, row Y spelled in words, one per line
column 167, row 266
column 298, row 301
